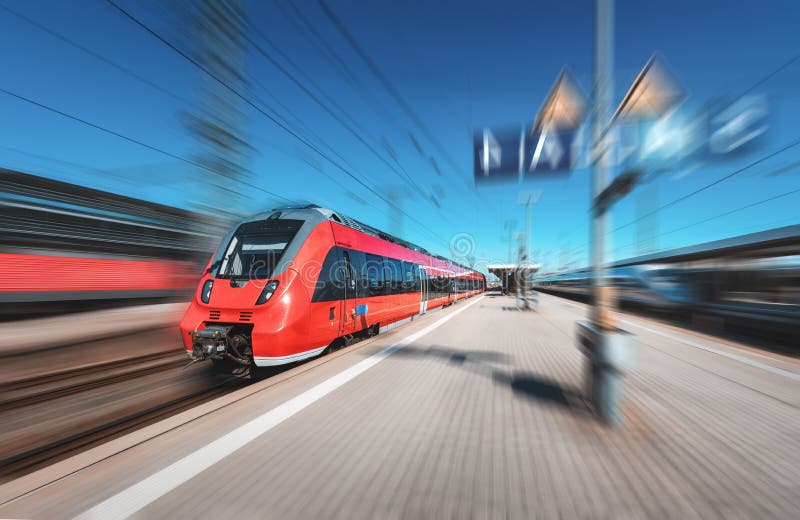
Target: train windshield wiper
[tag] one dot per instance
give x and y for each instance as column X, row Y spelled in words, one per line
column 213, row 266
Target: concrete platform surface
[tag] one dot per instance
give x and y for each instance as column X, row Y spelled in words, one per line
column 27, row 336
column 476, row 411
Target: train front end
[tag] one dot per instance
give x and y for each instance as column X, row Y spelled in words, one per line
column 249, row 298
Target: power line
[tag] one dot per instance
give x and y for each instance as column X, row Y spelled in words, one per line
column 129, row 139
column 70, row 164
column 752, row 87
column 95, row 55
column 326, row 49
column 725, row 214
column 755, row 85
column 317, row 100
column 373, row 67
column 711, row 184
column 316, row 39
column 267, row 115
column 771, row 75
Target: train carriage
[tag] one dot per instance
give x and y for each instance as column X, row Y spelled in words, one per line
column 287, row 285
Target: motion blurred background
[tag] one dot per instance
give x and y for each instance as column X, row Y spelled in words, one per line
column 137, row 131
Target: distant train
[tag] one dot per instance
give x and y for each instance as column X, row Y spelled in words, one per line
column 287, row 285
column 68, row 247
column 759, row 293
column 650, row 285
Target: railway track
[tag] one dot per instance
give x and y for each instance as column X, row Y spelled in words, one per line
column 51, row 416
column 59, row 383
column 33, row 458
column 775, row 337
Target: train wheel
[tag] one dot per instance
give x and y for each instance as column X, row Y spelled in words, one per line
column 222, row 366
column 335, row 345
column 261, row 373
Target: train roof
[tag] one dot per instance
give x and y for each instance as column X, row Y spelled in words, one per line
column 312, row 210
column 783, row 241
column 773, row 242
column 33, row 187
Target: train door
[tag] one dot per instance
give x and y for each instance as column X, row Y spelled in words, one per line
column 424, row 290
column 451, row 289
column 351, row 315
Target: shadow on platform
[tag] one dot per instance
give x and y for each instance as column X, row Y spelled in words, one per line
column 534, row 386
column 455, row 356
column 527, row 385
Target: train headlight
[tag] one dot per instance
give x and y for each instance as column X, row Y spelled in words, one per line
column 205, row 294
column 267, row 293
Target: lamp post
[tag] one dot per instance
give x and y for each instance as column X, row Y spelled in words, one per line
column 653, row 92
column 528, row 198
column 607, row 347
column 509, row 226
column 603, row 88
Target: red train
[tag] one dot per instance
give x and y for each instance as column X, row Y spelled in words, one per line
column 287, row 285
column 65, row 247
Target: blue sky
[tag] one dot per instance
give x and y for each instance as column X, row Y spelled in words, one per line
column 459, row 65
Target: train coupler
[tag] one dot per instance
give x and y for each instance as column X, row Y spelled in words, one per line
column 222, row 342
column 210, row 342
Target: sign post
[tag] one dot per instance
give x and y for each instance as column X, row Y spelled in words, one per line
column 552, row 145
column 608, row 348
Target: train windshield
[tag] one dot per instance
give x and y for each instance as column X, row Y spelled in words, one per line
column 254, row 251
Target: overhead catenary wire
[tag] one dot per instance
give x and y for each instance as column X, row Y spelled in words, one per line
column 786, row 64
column 304, row 27
column 783, row 66
column 388, row 86
column 718, row 216
column 96, row 55
column 273, row 119
column 326, row 49
column 130, row 73
column 402, row 173
column 711, row 184
column 347, row 126
column 130, row 139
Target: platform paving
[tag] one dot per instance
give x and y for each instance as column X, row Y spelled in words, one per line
column 483, row 417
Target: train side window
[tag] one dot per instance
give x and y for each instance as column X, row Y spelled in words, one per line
column 425, row 278
column 358, row 261
column 398, row 277
column 388, row 280
column 330, row 284
column 409, row 277
column 373, row 270
column 350, row 276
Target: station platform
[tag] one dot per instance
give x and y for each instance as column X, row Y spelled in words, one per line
column 476, row 411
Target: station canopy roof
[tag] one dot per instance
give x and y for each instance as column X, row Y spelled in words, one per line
column 500, row 270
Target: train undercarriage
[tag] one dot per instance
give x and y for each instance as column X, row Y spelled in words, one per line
column 229, row 348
